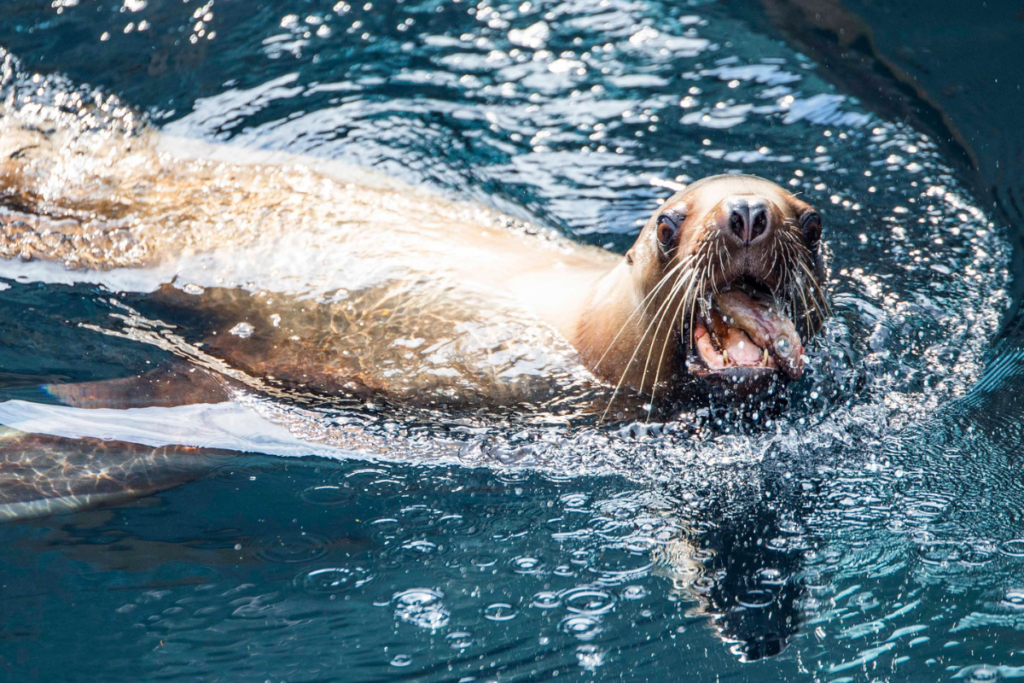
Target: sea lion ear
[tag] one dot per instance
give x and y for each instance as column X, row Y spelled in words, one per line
column 667, row 231
column 810, row 227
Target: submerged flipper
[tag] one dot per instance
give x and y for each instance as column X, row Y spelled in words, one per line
column 174, row 385
column 44, row 475
column 58, row 458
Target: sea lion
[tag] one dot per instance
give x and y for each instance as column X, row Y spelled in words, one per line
column 311, row 278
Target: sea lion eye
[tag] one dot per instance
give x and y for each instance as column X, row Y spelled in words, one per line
column 810, row 226
column 668, row 229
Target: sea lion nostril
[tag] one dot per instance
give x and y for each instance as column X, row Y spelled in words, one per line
column 737, row 223
column 758, row 224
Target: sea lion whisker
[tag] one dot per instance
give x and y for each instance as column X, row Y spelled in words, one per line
column 664, row 346
column 701, row 253
column 691, row 290
column 816, row 291
column 641, row 309
column 660, row 317
column 721, row 261
column 661, row 320
column 626, row 367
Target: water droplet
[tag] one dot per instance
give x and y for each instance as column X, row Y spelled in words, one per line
column 243, row 330
column 589, row 657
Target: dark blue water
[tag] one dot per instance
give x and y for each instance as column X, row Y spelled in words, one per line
column 870, row 531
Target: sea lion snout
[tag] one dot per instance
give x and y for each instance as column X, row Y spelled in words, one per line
column 745, row 217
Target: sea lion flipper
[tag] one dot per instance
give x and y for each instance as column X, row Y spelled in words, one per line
column 43, row 475
column 168, row 386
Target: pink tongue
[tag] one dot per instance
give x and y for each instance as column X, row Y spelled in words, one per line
column 744, row 327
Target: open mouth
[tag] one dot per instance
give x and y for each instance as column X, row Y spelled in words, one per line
column 743, row 332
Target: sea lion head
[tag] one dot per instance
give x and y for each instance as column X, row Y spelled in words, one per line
column 730, row 268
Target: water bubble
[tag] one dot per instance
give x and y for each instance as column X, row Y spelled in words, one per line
column 499, row 611
column 1014, row 598
column 1013, row 548
column 575, row 500
column 243, row 330
column 981, row 674
column 419, row 547
column 328, row 495
column 401, row 660
column 589, row 657
column 770, row 576
column 421, row 607
column 756, row 598
column 546, row 600
column 634, row 593
column 527, row 565
column 783, row 346
column 586, row 600
column 292, row 548
column 459, row 640
column 333, row 579
column 581, row 626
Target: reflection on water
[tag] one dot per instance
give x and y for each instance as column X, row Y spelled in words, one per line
column 868, row 529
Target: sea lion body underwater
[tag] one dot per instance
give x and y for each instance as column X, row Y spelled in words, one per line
column 319, row 279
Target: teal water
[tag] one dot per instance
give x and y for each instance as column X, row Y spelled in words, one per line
column 870, row 530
